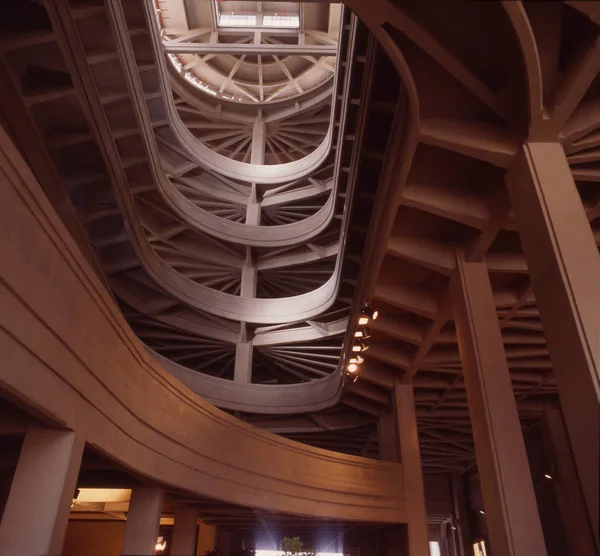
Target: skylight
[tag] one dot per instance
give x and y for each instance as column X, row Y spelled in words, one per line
column 274, row 15
column 287, row 21
column 237, row 20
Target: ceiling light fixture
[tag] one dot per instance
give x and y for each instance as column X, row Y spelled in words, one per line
column 481, row 512
column 362, row 332
column 369, row 313
column 352, row 367
column 360, row 346
column 357, row 359
column 160, row 545
column 548, row 476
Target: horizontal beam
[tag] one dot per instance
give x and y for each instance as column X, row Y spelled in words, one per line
column 251, row 49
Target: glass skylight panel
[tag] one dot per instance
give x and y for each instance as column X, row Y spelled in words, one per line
column 282, row 21
column 237, row 20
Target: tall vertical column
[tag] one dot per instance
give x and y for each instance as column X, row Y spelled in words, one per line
column 143, row 521
column 243, row 363
column 184, row 532
column 410, row 457
column 257, row 152
column 566, row 486
column 37, row 510
column 564, row 266
column 461, row 515
column 508, row 495
column 399, row 441
column 249, row 276
column 395, row 539
column 206, row 538
column 388, row 437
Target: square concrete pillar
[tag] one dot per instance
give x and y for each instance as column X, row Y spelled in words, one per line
column 563, row 262
column 143, row 521
column 508, row 495
column 399, row 441
column 37, row 510
column 184, row 532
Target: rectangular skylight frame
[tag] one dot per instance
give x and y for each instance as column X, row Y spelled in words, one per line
column 237, row 20
column 259, row 20
column 281, row 21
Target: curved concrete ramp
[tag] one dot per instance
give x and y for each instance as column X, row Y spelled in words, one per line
column 69, row 354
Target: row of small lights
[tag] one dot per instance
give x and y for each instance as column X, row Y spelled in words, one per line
column 361, row 335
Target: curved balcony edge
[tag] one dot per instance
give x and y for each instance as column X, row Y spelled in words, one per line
column 309, row 100
column 282, row 399
column 68, row 353
column 205, row 156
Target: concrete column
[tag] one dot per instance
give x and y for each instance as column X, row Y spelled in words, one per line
column 253, row 209
column 243, row 363
column 399, row 441
column 564, row 266
column 37, row 510
column 249, row 279
column 463, row 535
column 410, row 458
column 184, row 532
column 143, row 521
column 388, row 437
column 566, row 486
column 508, row 495
column 206, row 539
column 257, row 152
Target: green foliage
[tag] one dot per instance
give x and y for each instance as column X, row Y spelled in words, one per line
column 292, row 546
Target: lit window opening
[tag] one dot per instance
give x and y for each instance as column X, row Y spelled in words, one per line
column 279, row 553
column 434, row 548
column 479, row 548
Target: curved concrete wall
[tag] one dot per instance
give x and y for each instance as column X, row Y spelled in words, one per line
column 67, row 352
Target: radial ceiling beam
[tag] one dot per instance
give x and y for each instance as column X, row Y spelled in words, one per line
column 251, row 49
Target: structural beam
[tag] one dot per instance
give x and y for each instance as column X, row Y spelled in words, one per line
column 461, row 515
column 143, row 520
column 399, row 441
column 243, row 362
column 566, row 486
column 508, row 495
column 37, row 510
column 410, row 457
column 250, row 49
column 259, row 132
column 564, row 266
